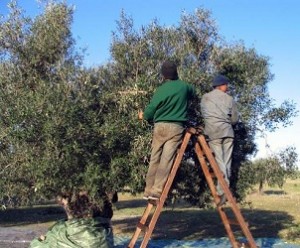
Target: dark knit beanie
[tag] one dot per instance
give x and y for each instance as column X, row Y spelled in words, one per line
column 220, row 80
column 169, row 70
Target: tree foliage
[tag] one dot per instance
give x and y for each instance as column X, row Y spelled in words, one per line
column 66, row 128
column 51, row 140
column 200, row 53
column 273, row 170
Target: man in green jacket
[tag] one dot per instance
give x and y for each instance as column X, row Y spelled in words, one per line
column 168, row 109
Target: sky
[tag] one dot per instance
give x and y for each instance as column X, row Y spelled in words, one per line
column 269, row 26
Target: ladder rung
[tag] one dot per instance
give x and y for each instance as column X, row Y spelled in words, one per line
column 142, row 227
column 235, row 222
column 153, row 202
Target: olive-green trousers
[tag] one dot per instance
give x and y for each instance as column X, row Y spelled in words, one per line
column 166, row 139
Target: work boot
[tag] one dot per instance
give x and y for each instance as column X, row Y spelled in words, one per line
column 154, row 197
column 146, row 195
column 222, row 200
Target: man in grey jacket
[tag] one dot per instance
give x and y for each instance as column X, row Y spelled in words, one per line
column 220, row 113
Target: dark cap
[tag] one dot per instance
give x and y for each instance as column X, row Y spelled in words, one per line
column 220, row 80
column 169, row 70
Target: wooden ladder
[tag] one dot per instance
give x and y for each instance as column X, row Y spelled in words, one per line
column 205, row 157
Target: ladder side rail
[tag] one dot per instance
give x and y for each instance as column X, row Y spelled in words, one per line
column 226, row 190
column 207, row 173
column 205, row 169
column 143, row 220
column 167, row 187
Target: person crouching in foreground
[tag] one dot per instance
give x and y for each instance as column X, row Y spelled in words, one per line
column 87, row 225
column 168, row 109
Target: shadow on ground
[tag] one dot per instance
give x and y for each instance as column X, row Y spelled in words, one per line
column 192, row 223
column 34, row 215
column 274, row 192
column 179, row 223
column 134, row 203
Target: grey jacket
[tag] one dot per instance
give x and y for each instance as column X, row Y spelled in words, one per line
column 220, row 113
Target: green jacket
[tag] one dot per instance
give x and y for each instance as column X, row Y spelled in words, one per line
column 77, row 233
column 170, row 102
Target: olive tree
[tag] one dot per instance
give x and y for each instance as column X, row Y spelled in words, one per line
column 134, row 74
column 66, row 128
column 51, row 141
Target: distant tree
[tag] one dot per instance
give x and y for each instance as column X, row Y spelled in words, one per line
column 273, row 170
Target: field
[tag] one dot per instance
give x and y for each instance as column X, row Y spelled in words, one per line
column 273, row 214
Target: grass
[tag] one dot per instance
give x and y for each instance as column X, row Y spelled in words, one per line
column 281, row 202
column 275, row 213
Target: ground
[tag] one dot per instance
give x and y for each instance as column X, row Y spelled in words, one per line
column 270, row 215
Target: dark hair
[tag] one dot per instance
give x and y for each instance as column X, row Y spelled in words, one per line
column 169, row 70
column 80, row 205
